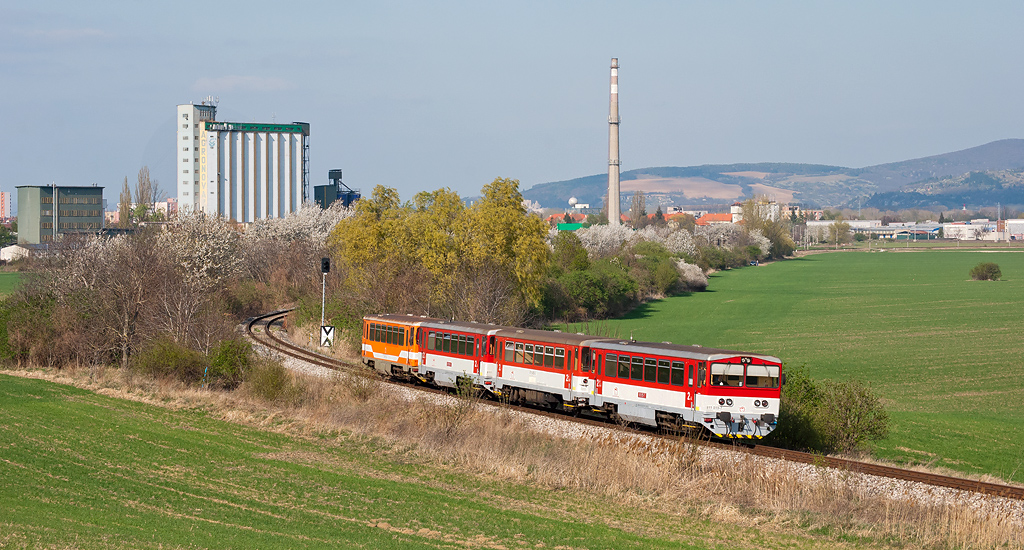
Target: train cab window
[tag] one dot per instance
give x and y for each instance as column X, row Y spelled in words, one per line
column 559, row 358
column 430, row 341
column 637, row 372
column 726, row 374
column 689, row 374
column 650, row 370
column 549, row 357
column 678, row 374
column 663, row 371
column 702, row 374
column 610, row 361
column 508, row 352
column 624, row 366
column 519, row 353
column 585, row 363
column 762, row 376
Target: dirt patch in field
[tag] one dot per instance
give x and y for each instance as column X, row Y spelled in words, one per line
column 777, row 193
column 691, row 187
column 747, row 174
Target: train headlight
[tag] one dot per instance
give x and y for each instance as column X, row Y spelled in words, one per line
column 757, row 402
column 721, row 401
column 728, row 402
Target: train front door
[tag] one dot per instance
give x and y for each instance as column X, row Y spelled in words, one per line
column 583, row 379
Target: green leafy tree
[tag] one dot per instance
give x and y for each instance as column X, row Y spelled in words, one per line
column 986, row 271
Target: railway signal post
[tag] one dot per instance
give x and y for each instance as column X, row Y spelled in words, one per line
column 326, row 333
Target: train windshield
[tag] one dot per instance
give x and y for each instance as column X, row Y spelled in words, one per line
column 762, row 376
column 753, row 376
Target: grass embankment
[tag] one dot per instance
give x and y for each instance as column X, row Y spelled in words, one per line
column 84, row 470
column 944, row 352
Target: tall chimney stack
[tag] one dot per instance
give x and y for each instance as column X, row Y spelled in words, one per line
column 613, row 147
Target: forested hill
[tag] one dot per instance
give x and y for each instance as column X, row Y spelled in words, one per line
column 809, row 184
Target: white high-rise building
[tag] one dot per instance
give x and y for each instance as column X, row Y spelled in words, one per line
column 242, row 171
column 190, row 118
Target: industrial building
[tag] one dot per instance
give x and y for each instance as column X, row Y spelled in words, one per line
column 43, row 220
column 241, row 171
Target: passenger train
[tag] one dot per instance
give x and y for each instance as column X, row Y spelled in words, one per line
column 730, row 394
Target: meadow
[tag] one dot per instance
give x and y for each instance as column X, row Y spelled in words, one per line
column 83, row 470
column 944, row 352
column 8, row 282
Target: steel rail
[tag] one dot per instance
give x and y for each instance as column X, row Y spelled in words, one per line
column 1007, row 491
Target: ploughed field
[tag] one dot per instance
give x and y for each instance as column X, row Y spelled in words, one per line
column 944, row 352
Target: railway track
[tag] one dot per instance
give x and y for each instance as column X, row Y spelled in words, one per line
column 259, row 328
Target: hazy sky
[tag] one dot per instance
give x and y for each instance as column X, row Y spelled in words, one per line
column 422, row 95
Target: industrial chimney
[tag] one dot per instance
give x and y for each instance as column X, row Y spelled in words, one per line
column 613, row 147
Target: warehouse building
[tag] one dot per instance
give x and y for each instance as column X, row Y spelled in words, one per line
column 43, row 220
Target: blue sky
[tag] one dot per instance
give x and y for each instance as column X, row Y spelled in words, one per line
column 422, row 95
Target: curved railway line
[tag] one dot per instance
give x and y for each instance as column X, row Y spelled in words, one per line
column 258, row 329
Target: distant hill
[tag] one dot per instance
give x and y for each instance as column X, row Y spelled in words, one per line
column 807, row 184
column 974, row 189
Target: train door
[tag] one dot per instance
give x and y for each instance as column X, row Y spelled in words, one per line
column 582, row 375
column 477, row 352
column 597, row 372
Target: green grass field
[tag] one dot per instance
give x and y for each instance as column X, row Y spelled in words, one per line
column 946, row 353
column 81, row 470
column 8, row 282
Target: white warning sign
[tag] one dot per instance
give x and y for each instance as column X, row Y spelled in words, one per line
column 326, row 337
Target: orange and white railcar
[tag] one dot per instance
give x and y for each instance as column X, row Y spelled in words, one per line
column 391, row 344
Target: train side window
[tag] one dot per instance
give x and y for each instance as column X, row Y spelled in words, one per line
column 446, row 343
column 387, row 334
column 549, row 357
column 538, row 356
column 559, row 358
column 637, row 373
column 508, row 352
column 519, row 353
column 528, row 354
column 650, row 370
column 461, row 350
column 374, row 333
column 624, row 366
column 663, row 371
column 401, row 337
column 438, row 341
column 678, row 374
column 430, row 341
column 610, row 360
column 689, row 372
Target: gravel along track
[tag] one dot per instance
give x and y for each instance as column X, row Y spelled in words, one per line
column 571, row 428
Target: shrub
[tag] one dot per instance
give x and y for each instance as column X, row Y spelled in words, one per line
column 828, row 417
column 229, row 361
column 165, row 358
column 986, row 271
column 270, row 381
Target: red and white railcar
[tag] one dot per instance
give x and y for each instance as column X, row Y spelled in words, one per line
column 730, row 393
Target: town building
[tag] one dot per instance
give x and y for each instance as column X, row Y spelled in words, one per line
column 238, row 170
column 5, row 205
column 43, row 220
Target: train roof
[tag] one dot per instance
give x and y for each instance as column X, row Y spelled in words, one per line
column 547, row 336
column 675, row 350
column 407, row 319
column 464, row 326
